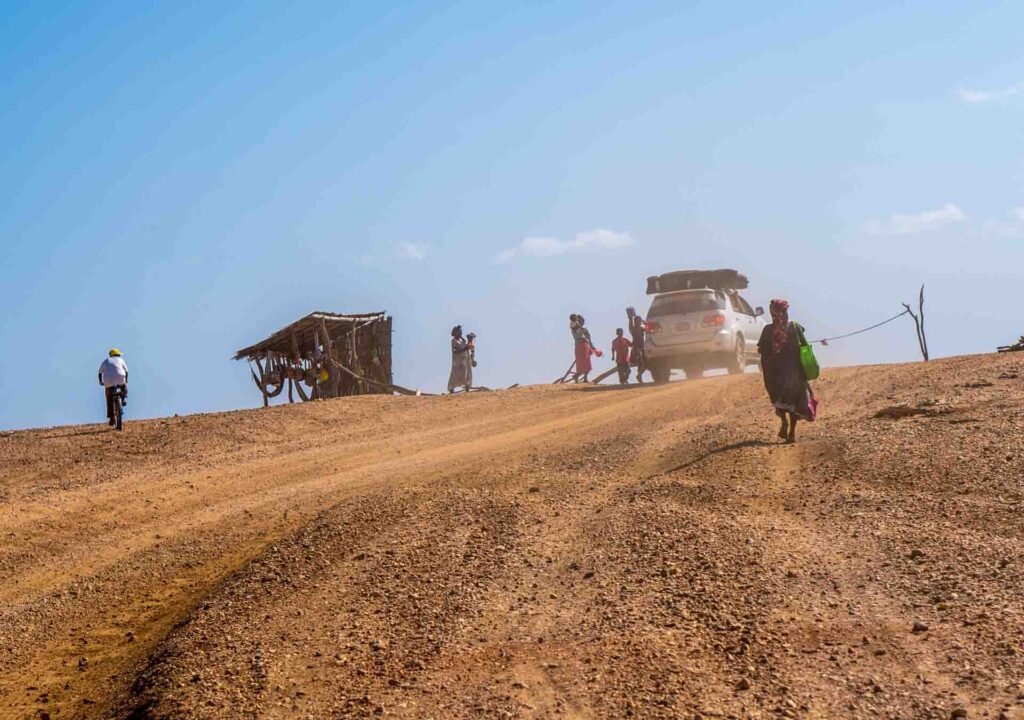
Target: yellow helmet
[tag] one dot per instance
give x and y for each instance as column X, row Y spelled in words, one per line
column 114, row 352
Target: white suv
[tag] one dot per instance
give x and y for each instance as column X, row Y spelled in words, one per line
column 700, row 329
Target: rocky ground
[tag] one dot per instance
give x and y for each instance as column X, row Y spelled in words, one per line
column 539, row 552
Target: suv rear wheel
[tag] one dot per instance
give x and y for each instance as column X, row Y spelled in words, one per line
column 738, row 361
column 660, row 372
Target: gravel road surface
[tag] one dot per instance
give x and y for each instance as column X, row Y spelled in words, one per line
column 534, row 553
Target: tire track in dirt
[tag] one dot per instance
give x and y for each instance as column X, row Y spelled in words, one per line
column 191, row 558
column 562, row 552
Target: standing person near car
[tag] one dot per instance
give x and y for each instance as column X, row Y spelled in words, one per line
column 620, row 354
column 584, row 349
column 784, row 377
column 637, row 327
column 113, row 374
column 576, row 332
column 462, row 366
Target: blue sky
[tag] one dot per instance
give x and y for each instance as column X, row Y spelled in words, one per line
column 181, row 179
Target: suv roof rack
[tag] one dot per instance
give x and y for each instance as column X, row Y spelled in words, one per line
column 724, row 279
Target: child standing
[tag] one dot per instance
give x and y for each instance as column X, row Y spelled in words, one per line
column 620, row 353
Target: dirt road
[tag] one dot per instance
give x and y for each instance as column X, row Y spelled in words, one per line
column 540, row 552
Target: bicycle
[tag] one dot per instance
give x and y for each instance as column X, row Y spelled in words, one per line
column 117, row 407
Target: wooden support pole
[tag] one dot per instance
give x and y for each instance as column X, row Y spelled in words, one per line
column 263, row 384
column 922, row 340
column 603, row 376
column 561, row 380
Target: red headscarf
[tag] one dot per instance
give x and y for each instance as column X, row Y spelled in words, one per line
column 780, row 324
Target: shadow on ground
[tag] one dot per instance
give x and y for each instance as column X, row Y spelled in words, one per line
column 718, row 451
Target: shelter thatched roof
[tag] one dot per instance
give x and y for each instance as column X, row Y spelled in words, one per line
column 305, row 332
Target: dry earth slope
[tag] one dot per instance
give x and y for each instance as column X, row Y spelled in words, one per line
column 541, row 552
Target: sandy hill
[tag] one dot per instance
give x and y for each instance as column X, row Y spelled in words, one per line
column 541, row 552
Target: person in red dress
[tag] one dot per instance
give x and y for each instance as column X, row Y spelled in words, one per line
column 584, row 348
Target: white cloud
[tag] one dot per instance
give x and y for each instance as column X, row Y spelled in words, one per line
column 412, row 251
column 543, row 246
column 921, row 222
column 504, row 256
column 598, row 239
column 975, row 97
column 999, row 230
column 1002, row 229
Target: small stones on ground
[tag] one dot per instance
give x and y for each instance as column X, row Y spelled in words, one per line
column 467, row 591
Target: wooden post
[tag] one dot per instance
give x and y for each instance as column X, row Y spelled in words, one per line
column 263, row 384
column 568, row 372
column 332, row 371
column 353, row 344
column 922, row 340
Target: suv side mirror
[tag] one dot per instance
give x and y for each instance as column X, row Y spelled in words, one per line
column 758, row 311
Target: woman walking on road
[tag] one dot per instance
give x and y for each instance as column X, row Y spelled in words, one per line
column 584, row 349
column 784, row 377
column 462, row 366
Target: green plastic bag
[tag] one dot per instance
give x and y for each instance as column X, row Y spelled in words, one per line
column 807, row 359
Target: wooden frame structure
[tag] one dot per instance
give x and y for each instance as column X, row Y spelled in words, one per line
column 332, row 355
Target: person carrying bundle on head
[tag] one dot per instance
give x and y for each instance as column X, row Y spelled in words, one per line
column 785, row 378
column 462, row 361
column 584, row 348
column 637, row 328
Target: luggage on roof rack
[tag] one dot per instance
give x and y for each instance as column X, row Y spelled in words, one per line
column 724, row 279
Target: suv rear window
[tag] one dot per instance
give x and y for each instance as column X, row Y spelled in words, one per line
column 688, row 303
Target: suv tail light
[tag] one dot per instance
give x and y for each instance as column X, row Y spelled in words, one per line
column 716, row 320
column 653, row 327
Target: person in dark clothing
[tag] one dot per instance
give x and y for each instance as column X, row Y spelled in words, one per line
column 637, row 327
column 784, row 377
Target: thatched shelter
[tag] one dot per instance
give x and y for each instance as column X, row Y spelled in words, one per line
column 331, row 355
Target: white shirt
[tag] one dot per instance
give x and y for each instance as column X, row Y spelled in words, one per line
column 113, row 371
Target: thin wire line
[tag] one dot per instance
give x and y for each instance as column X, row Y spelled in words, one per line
column 858, row 332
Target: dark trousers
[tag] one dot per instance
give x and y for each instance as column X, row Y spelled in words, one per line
column 110, row 398
column 623, row 369
column 637, row 359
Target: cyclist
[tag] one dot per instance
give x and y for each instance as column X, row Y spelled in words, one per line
column 113, row 374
